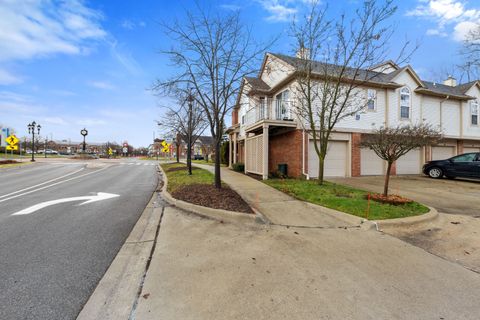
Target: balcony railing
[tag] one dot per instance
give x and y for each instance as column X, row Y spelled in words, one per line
column 270, row 109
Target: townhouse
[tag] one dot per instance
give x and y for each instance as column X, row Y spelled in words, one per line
column 266, row 131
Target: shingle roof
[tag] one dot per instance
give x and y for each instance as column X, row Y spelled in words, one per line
column 257, row 84
column 427, row 87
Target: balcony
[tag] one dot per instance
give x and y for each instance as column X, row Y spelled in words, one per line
column 270, row 109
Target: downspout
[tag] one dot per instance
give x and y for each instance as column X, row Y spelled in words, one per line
column 303, row 155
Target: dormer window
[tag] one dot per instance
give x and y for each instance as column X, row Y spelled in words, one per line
column 405, row 102
column 371, row 100
column 474, row 112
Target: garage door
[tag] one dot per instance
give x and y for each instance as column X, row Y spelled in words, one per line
column 335, row 161
column 470, row 149
column 441, row 153
column 370, row 163
column 409, row 163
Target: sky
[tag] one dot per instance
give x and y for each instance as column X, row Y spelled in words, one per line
column 78, row 63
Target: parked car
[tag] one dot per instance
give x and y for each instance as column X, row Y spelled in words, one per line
column 198, row 157
column 466, row 165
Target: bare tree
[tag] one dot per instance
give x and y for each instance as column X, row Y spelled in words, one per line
column 335, row 59
column 392, row 143
column 471, row 53
column 187, row 121
column 212, row 53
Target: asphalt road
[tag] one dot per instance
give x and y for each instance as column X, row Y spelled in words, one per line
column 52, row 259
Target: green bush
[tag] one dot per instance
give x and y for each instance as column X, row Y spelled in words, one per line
column 239, row 167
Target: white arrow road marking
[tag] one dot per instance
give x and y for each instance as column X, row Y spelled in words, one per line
column 100, row 196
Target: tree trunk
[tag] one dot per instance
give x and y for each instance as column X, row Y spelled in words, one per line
column 218, row 180
column 387, row 179
column 321, row 168
column 189, row 155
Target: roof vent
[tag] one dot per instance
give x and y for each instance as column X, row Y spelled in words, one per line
column 451, row 81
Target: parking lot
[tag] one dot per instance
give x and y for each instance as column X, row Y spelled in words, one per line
column 455, row 235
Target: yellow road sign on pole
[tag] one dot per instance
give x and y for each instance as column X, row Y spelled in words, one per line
column 12, row 147
column 12, row 140
column 110, row 152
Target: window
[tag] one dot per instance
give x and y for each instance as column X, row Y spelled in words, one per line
column 405, row 103
column 371, row 99
column 243, row 119
column 474, row 112
column 468, row 157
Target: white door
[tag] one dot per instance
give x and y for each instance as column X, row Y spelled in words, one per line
column 441, row 153
column 335, row 161
column 470, row 149
column 370, row 163
column 410, row 163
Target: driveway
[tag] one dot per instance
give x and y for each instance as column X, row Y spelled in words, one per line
column 455, row 234
column 447, row 196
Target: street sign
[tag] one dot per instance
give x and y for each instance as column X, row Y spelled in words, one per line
column 110, row 152
column 12, row 140
column 164, row 144
column 12, row 147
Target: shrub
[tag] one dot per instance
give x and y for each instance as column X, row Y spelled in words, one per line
column 239, row 167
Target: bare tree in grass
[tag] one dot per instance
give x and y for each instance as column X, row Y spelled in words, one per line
column 471, row 54
column 392, row 143
column 334, row 59
column 212, row 53
column 187, row 120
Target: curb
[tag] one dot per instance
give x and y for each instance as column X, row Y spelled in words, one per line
column 217, row 214
column 116, row 292
column 409, row 221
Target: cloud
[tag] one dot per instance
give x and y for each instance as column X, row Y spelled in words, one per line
column 91, row 122
column 450, row 16
column 33, row 29
column 15, row 104
column 6, row 78
column 102, row 85
column 125, row 59
column 130, row 25
column 55, row 120
column 280, row 11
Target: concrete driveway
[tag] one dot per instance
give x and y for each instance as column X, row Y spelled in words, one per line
column 455, row 234
column 447, row 196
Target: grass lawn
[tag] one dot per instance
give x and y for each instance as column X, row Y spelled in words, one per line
column 344, row 198
column 181, row 178
column 10, row 165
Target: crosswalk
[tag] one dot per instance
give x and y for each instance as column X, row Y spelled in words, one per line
column 137, row 164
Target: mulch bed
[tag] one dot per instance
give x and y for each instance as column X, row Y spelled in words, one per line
column 209, row 196
column 8, row 161
column 390, row 199
column 172, row 169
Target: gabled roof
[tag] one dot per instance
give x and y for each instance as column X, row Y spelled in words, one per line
column 257, row 84
column 467, row 86
column 320, row 68
column 381, row 64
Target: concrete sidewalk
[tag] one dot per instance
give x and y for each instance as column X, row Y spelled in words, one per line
column 280, row 208
column 205, row 269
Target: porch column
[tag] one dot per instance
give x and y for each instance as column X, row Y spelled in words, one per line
column 230, row 156
column 265, row 151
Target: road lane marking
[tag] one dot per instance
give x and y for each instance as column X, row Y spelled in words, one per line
column 40, row 184
column 51, row 185
column 99, row 197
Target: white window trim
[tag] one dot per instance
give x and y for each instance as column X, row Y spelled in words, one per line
column 409, row 104
column 474, row 105
column 374, row 100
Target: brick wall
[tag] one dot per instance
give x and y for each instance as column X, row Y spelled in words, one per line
column 356, row 155
column 459, row 146
column 286, row 148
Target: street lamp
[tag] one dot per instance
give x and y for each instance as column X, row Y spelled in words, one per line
column 31, row 130
column 84, row 133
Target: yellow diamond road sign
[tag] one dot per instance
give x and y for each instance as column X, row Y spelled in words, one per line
column 12, row 140
column 110, row 152
column 12, row 147
column 164, row 144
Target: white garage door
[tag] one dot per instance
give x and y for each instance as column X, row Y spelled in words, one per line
column 409, row 163
column 370, row 163
column 441, row 153
column 470, row 149
column 335, row 161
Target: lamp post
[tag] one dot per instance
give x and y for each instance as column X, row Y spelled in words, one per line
column 84, row 133
column 32, row 127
